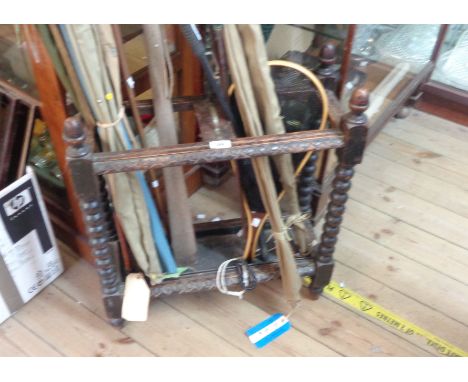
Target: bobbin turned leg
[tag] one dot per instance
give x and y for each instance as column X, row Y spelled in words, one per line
column 97, row 215
column 354, row 127
column 307, row 185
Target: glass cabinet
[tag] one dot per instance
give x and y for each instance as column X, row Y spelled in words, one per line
column 446, row 92
column 25, row 133
column 392, row 61
column 15, row 68
column 452, row 64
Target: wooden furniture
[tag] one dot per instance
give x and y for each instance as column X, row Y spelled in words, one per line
column 393, row 61
column 17, row 113
column 446, row 92
column 347, row 135
column 62, row 205
column 340, row 63
column 372, row 55
column 89, row 208
column 18, row 106
column 188, row 82
column 45, row 98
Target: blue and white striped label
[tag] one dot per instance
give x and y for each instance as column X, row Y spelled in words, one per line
column 268, row 330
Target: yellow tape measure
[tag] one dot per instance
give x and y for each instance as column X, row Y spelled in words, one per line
column 371, row 309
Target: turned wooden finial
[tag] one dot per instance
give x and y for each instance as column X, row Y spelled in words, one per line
column 327, row 71
column 75, row 137
column 359, row 101
column 354, row 126
column 327, row 55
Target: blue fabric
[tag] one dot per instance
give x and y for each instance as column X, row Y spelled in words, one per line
column 159, row 237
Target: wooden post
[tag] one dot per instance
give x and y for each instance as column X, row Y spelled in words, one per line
column 97, row 216
column 307, row 185
column 6, row 144
column 328, row 71
column 189, row 82
column 354, row 127
column 53, row 113
column 346, row 61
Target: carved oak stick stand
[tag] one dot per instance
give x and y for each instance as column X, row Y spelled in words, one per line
column 87, row 169
column 94, row 204
column 354, row 127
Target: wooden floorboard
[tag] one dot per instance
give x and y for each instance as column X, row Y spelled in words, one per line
column 420, row 159
column 404, row 306
column 433, row 141
column 419, row 184
column 167, row 332
column 29, row 342
column 336, row 326
column 404, row 245
column 76, row 331
column 229, row 318
column 409, row 241
column 9, row 348
column 425, row 286
column 402, row 205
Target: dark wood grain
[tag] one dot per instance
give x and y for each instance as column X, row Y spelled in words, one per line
column 94, row 203
column 26, row 141
column 328, row 72
column 213, row 127
column 446, row 93
column 190, row 83
column 142, row 77
column 130, row 31
column 345, row 65
column 205, row 281
column 439, row 42
column 354, row 127
column 444, row 110
column 15, row 131
column 220, row 51
column 7, row 132
column 307, row 185
column 198, row 153
column 182, row 103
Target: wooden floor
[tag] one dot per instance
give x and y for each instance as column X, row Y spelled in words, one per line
column 404, row 245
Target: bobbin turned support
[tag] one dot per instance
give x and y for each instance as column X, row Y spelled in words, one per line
column 97, row 215
column 354, row 127
column 307, row 187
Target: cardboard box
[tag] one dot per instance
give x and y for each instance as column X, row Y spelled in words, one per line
column 29, row 258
